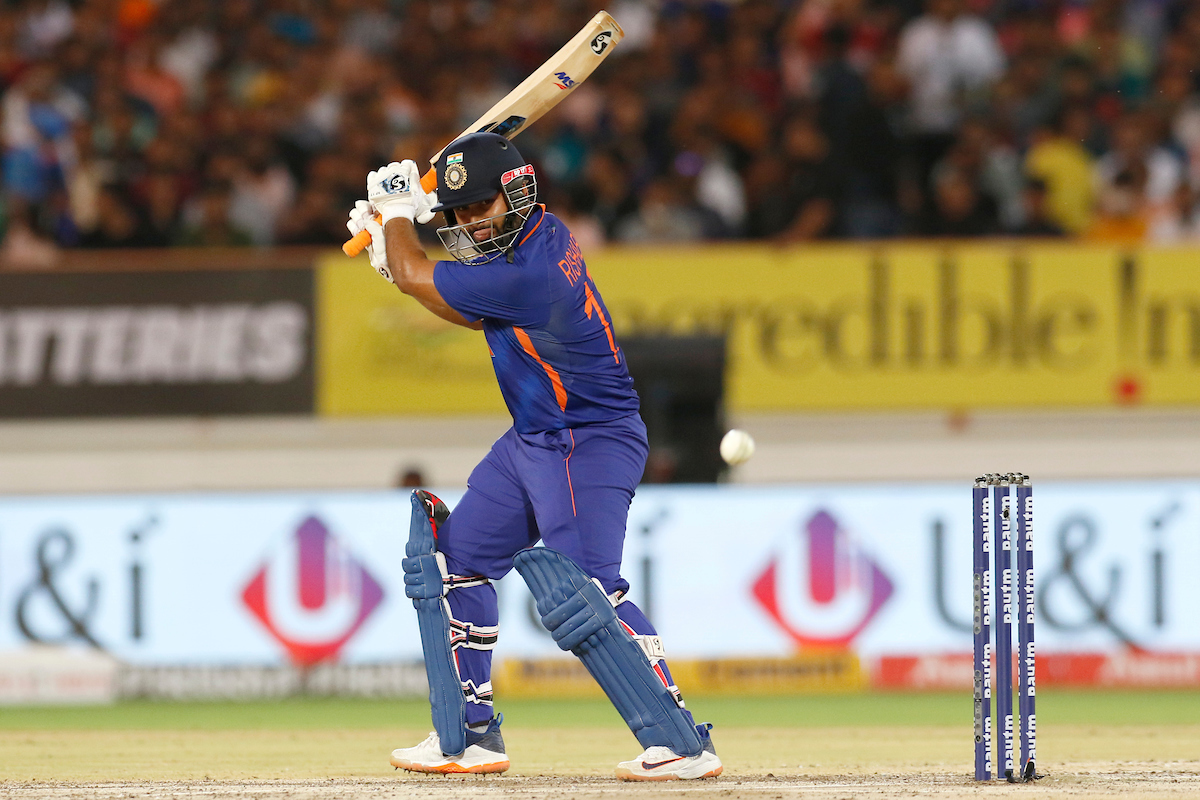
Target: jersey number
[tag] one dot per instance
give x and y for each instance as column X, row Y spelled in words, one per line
column 590, row 304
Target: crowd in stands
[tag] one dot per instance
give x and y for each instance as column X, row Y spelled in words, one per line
column 130, row 123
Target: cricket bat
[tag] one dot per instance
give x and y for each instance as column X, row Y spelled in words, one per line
column 541, row 91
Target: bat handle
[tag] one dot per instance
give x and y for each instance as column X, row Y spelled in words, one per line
column 357, row 244
column 429, row 180
column 363, row 238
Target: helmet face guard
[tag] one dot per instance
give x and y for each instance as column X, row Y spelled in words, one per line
column 519, row 187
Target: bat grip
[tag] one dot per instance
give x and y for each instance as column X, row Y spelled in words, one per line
column 357, row 244
column 429, row 180
column 363, row 238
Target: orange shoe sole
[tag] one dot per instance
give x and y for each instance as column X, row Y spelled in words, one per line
column 452, row 768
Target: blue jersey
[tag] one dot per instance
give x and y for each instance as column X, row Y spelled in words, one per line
column 550, row 336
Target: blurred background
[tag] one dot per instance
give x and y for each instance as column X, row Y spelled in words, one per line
column 901, row 243
column 135, row 123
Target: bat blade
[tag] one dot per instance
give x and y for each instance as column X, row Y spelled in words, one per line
column 545, row 88
column 550, row 83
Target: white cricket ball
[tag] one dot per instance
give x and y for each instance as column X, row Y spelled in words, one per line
column 736, row 447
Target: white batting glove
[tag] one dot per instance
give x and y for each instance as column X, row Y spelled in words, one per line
column 395, row 191
column 425, row 208
column 362, row 218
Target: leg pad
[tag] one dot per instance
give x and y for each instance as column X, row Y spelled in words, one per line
column 433, row 616
column 581, row 618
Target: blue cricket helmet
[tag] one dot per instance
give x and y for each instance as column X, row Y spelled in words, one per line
column 477, row 167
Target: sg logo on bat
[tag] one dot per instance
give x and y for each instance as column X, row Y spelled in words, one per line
column 601, row 42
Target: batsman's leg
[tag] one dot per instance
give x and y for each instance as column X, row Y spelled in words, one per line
column 474, row 546
column 582, row 619
column 452, row 746
column 581, row 483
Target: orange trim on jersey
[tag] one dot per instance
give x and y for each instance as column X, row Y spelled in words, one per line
column 567, row 461
column 542, row 206
column 560, row 394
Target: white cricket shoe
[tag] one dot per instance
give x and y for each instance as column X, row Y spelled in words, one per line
column 484, row 753
column 663, row 764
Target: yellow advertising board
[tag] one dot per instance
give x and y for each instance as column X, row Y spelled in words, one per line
column 821, row 672
column 381, row 353
column 888, row 326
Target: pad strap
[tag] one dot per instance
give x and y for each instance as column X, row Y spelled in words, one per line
column 479, row 695
column 582, row 619
column 426, row 576
column 476, row 637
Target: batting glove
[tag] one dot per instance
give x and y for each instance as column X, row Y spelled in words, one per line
column 395, row 191
column 362, row 218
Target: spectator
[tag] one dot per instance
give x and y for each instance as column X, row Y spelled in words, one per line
column 162, row 199
column 959, row 210
column 147, row 80
column 37, row 121
column 315, row 218
column 1178, row 222
column 586, row 229
column 118, row 223
column 191, row 47
column 950, row 59
column 23, row 247
column 262, row 189
column 1185, row 129
column 608, row 192
column 1036, row 217
column 212, row 226
column 663, row 216
column 713, row 184
column 867, row 151
column 1135, row 151
column 992, row 167
column 1122, row 215
column 792, row 191
column 84, row 179
column 45, row 25
column 368, row 26
column 1059, row 159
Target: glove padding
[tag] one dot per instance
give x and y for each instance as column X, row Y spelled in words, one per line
column 395, row 191
column 363, row 218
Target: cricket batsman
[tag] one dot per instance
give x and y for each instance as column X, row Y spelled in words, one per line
column 564, row 473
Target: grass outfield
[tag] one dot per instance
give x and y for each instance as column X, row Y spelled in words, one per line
column 794, row 737
column 890, row 709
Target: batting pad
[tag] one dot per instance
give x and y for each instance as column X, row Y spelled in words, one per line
column 446, row 697
column 581, row 619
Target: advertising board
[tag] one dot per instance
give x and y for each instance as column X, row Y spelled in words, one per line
column 881, row 571
column 826, row 327
column 163, row 343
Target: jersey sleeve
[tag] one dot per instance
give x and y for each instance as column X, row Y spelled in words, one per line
column 511, row 293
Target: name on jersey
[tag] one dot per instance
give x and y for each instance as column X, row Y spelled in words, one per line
column 572, row 263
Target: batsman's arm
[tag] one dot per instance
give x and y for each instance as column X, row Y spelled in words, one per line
column 412, row 271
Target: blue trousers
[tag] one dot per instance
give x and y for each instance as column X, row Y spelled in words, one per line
column 571, row 489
